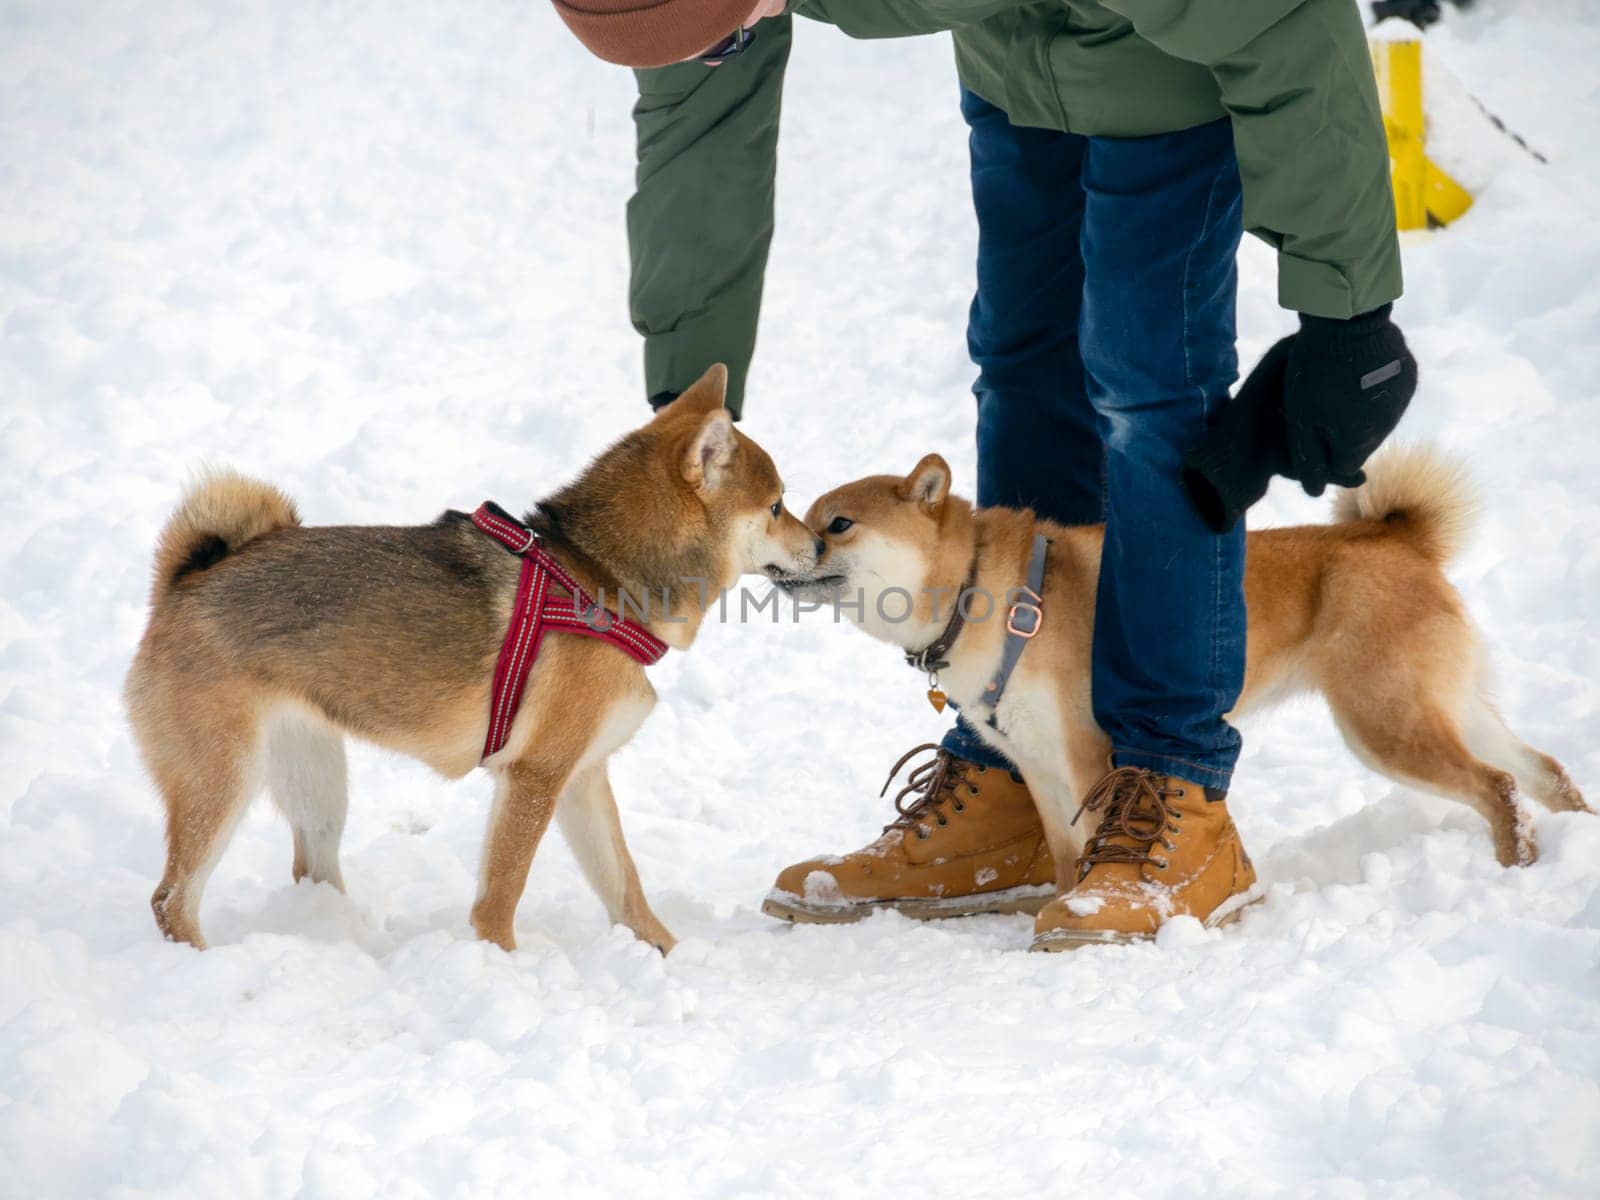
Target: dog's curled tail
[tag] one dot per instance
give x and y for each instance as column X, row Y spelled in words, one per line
column 221, row 511
column 1425, row 495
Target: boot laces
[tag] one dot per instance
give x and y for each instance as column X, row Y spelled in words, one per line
column 1135, row 816
column 929, row 785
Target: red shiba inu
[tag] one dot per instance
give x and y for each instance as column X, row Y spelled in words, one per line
column 1358, row 610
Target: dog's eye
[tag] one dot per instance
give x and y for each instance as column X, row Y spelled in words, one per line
column 777, row 510
column 839, row 524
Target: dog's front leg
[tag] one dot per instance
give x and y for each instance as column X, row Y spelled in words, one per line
column 589, row 822
column 524, row 799
column 1060, row 785
column 1057, row 805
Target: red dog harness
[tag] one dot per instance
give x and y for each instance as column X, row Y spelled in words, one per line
column 536, row 611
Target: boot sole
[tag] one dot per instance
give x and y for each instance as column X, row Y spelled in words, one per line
column 786, row 906
column 1057, row 940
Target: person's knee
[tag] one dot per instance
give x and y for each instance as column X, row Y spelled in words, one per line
column 1150, row 428
column 1140, row 441
column 1154, row 382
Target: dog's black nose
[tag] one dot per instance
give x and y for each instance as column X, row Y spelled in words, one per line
column 821, row 545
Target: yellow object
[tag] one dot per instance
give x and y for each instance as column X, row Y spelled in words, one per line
column 1424, row 193
column 1446, row 199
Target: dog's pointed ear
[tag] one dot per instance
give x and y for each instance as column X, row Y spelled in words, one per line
column 710, row 451
column 928, row 484
column 706, row 394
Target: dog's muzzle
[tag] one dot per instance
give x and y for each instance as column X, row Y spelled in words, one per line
column 810, row 587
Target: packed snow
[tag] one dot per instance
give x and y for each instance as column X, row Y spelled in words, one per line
column 376, row 253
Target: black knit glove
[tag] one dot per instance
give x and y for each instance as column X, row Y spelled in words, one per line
column 1229, row 471
column 1347, row 385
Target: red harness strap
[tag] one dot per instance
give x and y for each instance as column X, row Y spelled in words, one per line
column 536, row 611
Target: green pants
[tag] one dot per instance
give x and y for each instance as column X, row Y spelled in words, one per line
column 700, row 221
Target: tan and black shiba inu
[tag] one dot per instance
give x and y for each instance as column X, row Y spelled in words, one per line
column 269, row 641
column 1359, row 610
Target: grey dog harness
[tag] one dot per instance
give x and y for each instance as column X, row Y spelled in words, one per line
column 1024, row 617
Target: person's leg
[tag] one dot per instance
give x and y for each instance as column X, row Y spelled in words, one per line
column 1162, row 225
column 701, row 217
column 966, row 837
column 1038, row 443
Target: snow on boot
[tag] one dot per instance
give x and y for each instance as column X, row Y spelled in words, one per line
column 1165, row 847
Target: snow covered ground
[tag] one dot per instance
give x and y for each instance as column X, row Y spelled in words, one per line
column 376, row 253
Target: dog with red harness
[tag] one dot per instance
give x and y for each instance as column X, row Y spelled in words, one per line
column 269, row 642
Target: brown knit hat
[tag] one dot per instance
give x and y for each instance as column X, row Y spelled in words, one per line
column 651, row 33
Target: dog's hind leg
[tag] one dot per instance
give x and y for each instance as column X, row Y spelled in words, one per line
column 204, row 751
column 1541, row 776
column 309, row 782
column 1422, row 747
column 589, row 822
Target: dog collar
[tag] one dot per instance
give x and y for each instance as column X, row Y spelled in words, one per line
column 1023, row 621
column 935, row 656
column 536, row 611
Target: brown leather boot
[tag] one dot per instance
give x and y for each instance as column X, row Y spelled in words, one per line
column 967, row 840
column 1164, row 848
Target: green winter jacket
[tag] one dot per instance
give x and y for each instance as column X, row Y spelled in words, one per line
column 1294, row 76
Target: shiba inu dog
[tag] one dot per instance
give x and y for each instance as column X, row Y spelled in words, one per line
column 1358, row 610
column 269, row 641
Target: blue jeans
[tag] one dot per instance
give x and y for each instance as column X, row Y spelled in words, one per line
column 1103, row 332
